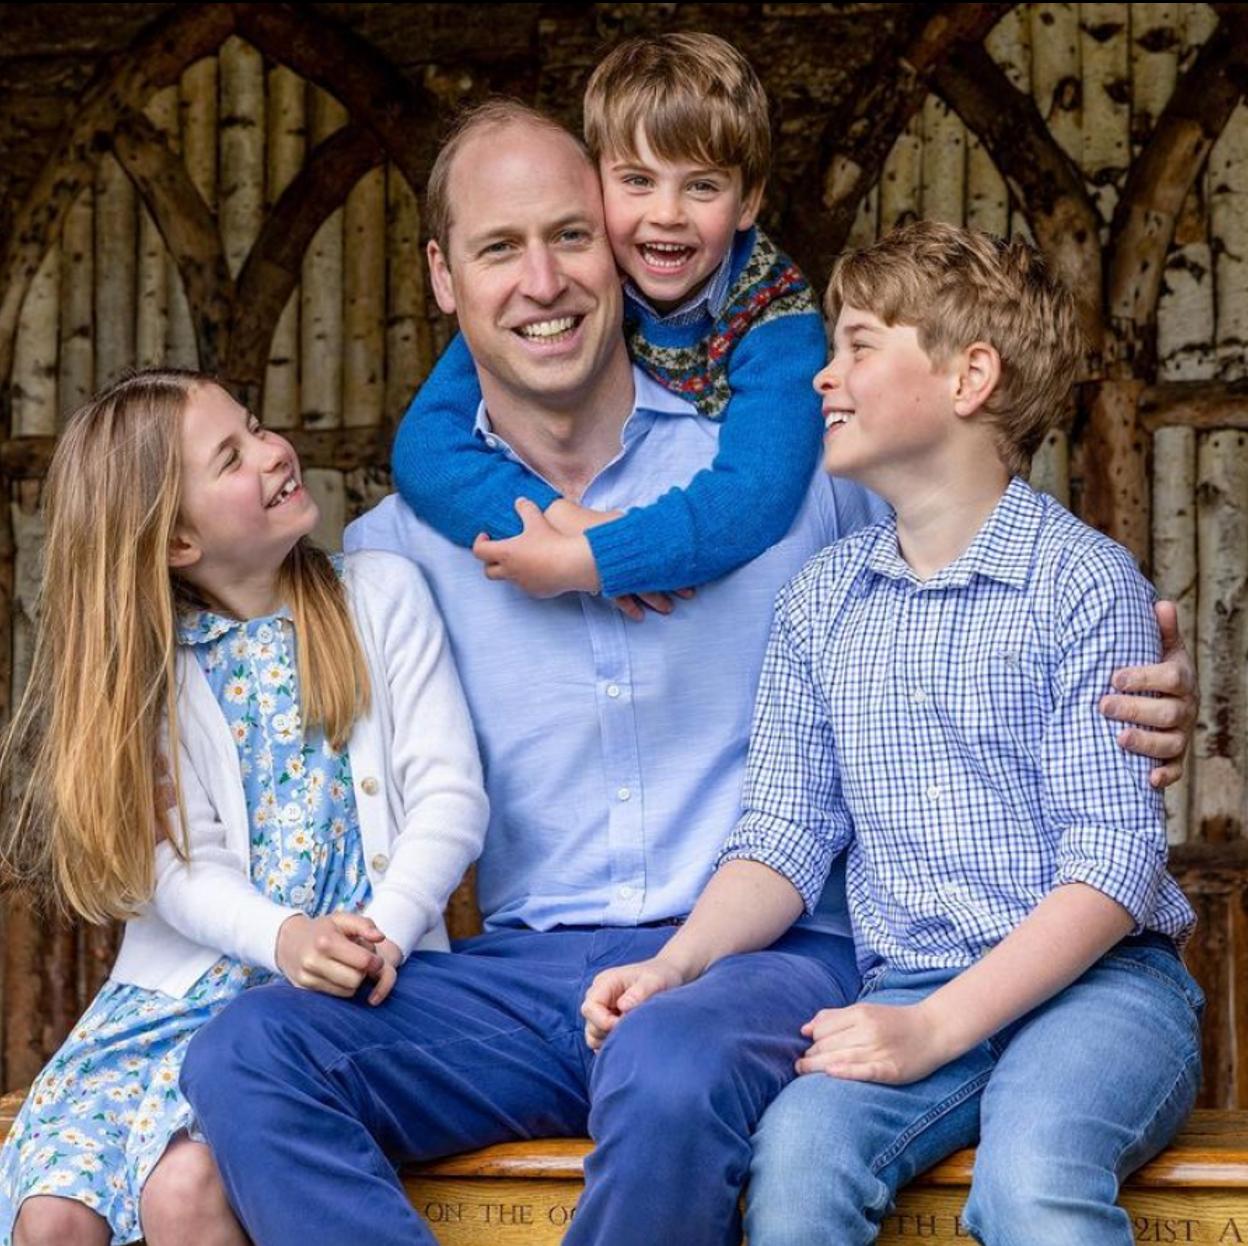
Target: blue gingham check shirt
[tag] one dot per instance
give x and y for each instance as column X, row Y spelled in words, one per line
column 946, row 733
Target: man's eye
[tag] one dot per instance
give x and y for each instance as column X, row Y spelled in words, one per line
column 575, row 235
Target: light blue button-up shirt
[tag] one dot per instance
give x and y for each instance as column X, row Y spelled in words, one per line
column 613, row 751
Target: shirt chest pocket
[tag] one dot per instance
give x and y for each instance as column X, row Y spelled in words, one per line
column 1006, row 706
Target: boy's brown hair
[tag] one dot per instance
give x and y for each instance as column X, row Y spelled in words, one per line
column 958, row 286
column 693, row 96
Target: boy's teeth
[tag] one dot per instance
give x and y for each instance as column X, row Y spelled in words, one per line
column 835, row 417
column 548, row 328
column 666, row 254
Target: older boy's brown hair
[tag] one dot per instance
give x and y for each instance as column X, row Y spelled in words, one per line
column 693, row 96
column 958, row 286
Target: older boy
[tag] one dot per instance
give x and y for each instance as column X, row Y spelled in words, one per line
column 1015, row 924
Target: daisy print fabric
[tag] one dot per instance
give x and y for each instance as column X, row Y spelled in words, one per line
column 102, row 1113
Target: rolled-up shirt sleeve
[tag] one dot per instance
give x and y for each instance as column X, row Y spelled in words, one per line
column 793, row 817
column 1111, row 820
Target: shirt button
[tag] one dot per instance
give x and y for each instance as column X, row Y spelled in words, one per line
column 264, row 634
column 492, row 442
column 380, row 863
column 613, row 690
column 918, row 696
column 291, row 813
column 933, row 791
column 370, row 786
column 624, row 793
column 625, row 892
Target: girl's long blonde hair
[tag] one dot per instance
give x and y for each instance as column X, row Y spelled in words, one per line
column 80, row 758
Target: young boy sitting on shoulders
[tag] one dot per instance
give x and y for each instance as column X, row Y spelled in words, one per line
column 678, row 125
column 929, row 705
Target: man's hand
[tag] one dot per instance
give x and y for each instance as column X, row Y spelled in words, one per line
column 332, row 954
column 617, row 991
column 889, row 1043
column 541, row 560
column 1171, row 715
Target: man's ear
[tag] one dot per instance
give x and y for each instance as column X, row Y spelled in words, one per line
column 184, row 551
column 440, row 277
column 749, row 208
column 979, row 373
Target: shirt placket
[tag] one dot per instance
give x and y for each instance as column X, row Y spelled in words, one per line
column 621, row 761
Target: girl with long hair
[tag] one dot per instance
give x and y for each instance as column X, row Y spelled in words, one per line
column 256, row 755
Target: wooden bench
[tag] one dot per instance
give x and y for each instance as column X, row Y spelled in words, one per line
column 524, row 1193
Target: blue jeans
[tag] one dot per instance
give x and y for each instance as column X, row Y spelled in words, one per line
column 307, row 1099
column 1063, row 1104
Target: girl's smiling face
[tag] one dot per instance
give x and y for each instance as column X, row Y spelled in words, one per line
column 243, row 505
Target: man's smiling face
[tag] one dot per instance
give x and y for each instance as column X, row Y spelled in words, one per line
column 527, row 267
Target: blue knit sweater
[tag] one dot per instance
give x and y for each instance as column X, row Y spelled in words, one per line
column 751, row 365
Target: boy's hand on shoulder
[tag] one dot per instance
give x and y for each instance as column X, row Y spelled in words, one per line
column 888, row 1043
column 617, row 991
column 1162, row 721
column 541, row 560
column 332, row 954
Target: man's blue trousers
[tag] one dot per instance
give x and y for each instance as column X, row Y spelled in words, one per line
column 309, row 1101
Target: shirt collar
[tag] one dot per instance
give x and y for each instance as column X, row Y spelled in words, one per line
column 201, row 627
column 1002, row 548
column 650, row 399
column 708, row 301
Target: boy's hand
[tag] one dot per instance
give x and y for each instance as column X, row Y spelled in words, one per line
column 888, row 1043
column 541, row 560
column 1171, row 714
column 617, row 991
column 332, row 954
column 635, row 604
column 573, row 519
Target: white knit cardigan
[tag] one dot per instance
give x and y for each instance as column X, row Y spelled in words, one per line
column 418, row 790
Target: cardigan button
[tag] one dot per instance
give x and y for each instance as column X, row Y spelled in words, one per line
column 370, row 786
column 380, row 863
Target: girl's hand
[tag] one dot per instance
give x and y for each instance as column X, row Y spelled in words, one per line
column 391, row 958
column 889, row 1043
column 331, row 954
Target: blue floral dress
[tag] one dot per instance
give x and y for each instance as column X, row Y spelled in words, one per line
column 101, row 1114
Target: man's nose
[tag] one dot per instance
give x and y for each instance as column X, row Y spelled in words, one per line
column 543, row 278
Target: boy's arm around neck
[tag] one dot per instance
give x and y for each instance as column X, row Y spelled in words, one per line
column 446, row 474
column 733, row 511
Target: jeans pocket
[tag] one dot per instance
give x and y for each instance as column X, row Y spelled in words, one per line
column 1166, row 966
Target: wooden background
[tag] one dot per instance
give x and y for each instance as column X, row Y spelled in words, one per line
column 239, row 186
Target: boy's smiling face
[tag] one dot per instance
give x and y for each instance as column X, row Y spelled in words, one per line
column 887, row 407
column 671, row 222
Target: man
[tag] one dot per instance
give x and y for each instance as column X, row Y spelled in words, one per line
column 613, row 755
